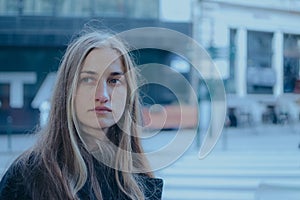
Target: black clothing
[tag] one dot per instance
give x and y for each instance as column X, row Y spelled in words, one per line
column 13, row 185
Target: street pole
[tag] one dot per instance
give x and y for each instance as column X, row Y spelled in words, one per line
column 9, row 120
column 204, row 111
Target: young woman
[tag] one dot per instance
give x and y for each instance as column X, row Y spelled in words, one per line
column 90, row 148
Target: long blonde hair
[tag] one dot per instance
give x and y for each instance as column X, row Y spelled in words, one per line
column 61, row 156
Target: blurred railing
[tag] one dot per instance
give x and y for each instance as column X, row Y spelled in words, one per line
column 252, row 111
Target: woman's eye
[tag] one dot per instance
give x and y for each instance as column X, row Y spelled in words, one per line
column 87, row 80
column 114, row 81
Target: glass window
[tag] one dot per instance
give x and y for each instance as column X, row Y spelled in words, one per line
column 261, row 77
column 114, row 8
column 148, row 9
column 291, row 59
column 9, row 7
column 230, row 82
column 143, row 9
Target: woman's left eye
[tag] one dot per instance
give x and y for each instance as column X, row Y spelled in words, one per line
column 114, row 81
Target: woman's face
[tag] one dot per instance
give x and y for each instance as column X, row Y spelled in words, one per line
column 102, row 89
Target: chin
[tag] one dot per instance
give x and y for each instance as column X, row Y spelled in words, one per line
column 105, row 125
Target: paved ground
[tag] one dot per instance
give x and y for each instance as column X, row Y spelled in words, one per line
column 244, row 164
column 257, row 163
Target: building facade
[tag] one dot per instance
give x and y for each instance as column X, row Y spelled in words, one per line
column 256, row 46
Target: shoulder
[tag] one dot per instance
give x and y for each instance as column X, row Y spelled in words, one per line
column 13, row 183
column 153, row 187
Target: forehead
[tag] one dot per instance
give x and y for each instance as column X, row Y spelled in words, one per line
column 103, row 60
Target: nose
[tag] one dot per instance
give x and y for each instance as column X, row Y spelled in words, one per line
column 102, row 95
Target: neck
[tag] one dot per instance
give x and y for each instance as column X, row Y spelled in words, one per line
column 92, row 136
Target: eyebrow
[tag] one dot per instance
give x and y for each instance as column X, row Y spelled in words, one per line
column 111, row 74
column 89, row 72
column 116, row 73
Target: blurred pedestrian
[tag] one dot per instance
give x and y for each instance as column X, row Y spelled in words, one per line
column 232, row 117
column 90, row 147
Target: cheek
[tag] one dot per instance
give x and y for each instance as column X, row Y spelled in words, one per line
column 118, row 100
column 83, row 100
column 84, row 94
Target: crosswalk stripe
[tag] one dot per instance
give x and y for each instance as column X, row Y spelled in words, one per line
column 207, row 195
column 229, row 175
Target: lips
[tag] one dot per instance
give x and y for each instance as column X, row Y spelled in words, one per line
column 102, row 110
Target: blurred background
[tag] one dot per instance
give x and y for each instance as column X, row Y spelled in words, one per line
column 254, row 44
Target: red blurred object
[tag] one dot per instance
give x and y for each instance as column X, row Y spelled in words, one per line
column 297, row 87
column 170, row 117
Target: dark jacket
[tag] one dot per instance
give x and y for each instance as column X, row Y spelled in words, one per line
column 13, row 186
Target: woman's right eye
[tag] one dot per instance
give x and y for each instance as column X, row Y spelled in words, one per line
column 88, row 80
